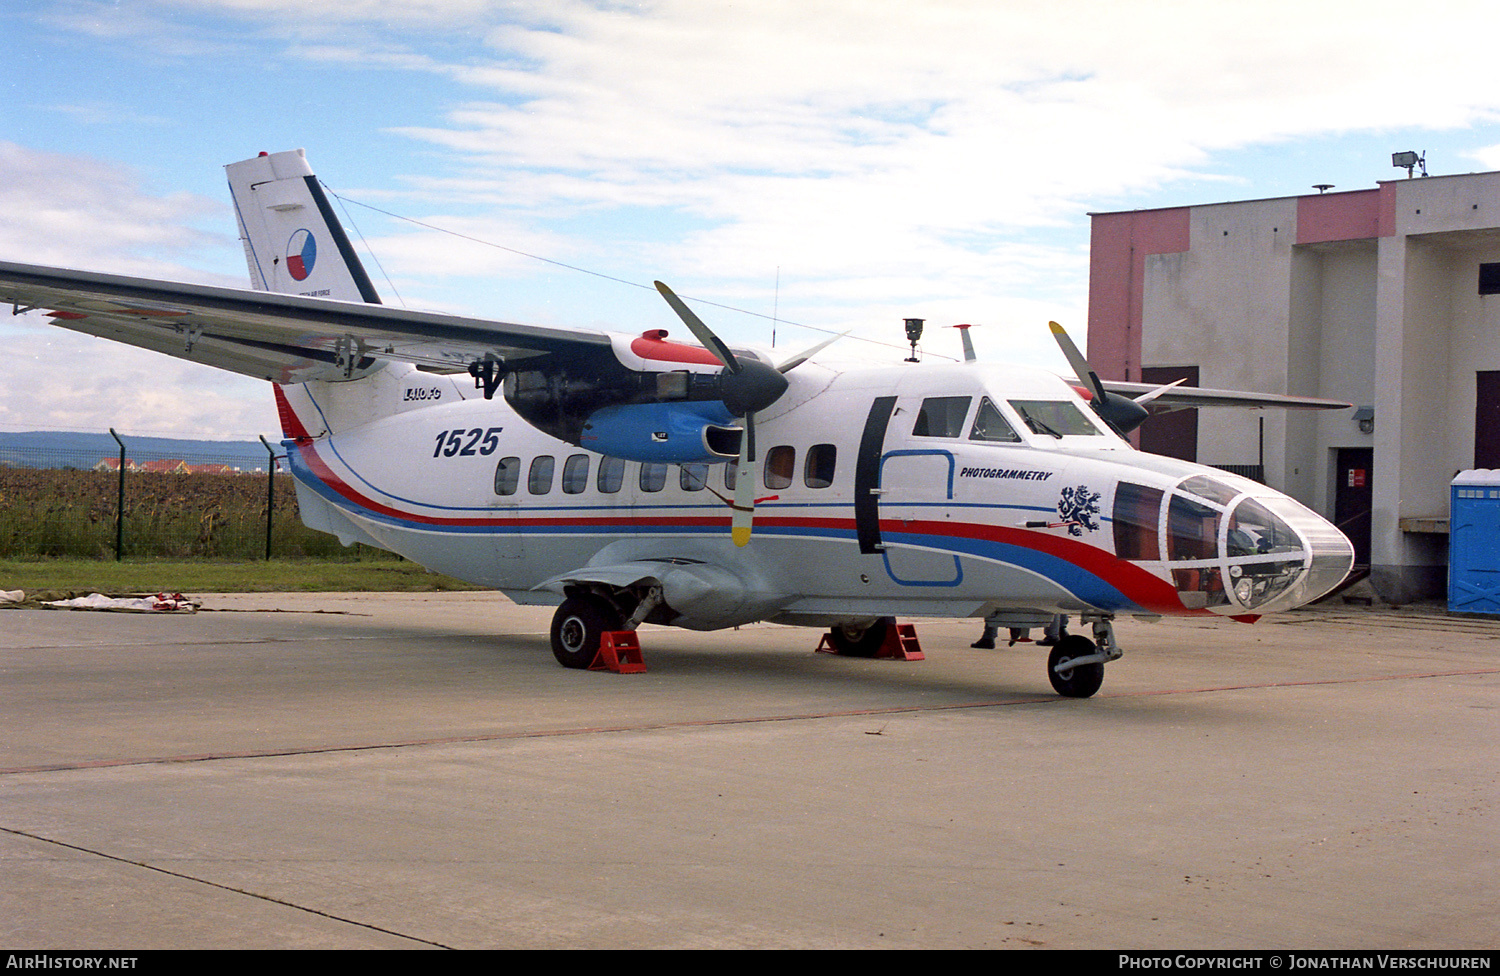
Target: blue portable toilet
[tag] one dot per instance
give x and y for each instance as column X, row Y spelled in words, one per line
column 1474, row 542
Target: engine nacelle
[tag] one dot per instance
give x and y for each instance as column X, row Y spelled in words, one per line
column 671, row 433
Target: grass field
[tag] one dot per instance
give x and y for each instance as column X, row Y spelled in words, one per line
column 184, row 533
column 84, row 576
column 71, row 514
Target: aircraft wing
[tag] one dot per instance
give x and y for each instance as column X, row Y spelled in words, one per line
column 272, row 336
column 1184, row 397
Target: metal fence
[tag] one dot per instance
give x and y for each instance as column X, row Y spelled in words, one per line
column 83, row 503
column 1255, row 472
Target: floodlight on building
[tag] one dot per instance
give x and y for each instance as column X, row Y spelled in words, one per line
column 1410, row 161
column 1322, row 187
column 1364, row 418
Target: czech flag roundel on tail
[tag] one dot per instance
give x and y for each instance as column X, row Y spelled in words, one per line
column 301, row 254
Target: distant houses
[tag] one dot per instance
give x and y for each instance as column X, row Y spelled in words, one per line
column 172, row 466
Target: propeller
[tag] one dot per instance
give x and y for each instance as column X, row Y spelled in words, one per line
column 1120, row 412
column 745, row 385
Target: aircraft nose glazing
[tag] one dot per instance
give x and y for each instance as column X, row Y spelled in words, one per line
column 1279, row 555
column 1234, row 547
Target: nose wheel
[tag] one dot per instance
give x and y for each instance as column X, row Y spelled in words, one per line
column 1076, row 665
column 1073, row 667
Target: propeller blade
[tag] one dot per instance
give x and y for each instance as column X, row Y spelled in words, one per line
column 744, row 487
column 1146, row 398
column 797, row 359
column 700, row 331
column 1121, row 413
column 1081, row 367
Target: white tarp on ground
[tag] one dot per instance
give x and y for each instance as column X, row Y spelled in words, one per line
column 159, row 603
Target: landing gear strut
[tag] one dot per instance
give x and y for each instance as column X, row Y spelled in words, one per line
column 861, row 641
column 1076, row 665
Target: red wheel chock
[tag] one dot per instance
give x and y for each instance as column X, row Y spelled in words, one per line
column 620, row 652
column 900, row 644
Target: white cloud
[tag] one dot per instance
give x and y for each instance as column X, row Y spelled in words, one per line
column 888, row 157
column 77, row 212
column 80, row 212
column 851, row 138
column 52, row 379
column 1486, row 156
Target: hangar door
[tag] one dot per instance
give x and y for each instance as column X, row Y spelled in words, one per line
column 1353, row 497
column 1173, row 434
column 1487, row 419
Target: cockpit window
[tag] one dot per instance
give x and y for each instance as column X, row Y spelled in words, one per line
column 1137, row 511
column 942, row 417
column 1211, row 488
column 1254, row 531
column 1192, row 529
column 991, row 425
column 1056, row 418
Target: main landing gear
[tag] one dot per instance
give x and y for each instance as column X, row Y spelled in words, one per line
column 577, row 627
column 853, row 641
column 1076, row 665
column 585, row 616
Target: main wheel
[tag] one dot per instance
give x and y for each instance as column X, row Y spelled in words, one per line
column 861, row 641
column 577, row 626
column 1077, row 682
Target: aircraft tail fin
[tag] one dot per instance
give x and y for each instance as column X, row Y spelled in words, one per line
column 294, row 244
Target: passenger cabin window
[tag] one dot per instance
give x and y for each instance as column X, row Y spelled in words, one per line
column 576, row 474
column 539, row 481
column 653, row 476
column 781, row 464
column 941, row 417
column 817, row 470
column 694, row 476
column 507, row 475
column 611, row 474
column 990, row 425
column 1056, row 418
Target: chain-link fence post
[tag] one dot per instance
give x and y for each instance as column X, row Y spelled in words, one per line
column 120, row 504
column 270, row 490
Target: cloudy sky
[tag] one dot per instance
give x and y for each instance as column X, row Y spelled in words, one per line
column 828, row 163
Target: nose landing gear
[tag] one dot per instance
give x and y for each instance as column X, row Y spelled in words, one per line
column 1076, row 665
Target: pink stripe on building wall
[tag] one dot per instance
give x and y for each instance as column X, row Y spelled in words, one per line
column 1118, row 248
column 1339, row 217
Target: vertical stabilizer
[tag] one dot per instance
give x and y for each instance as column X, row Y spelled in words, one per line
column 293, row 242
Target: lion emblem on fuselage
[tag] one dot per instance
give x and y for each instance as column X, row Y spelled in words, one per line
column 1078, row 507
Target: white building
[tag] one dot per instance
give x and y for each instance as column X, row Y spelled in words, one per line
column 1385, row 298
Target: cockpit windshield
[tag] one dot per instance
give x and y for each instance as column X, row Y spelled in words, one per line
column 1056, row 418
column 991, row 425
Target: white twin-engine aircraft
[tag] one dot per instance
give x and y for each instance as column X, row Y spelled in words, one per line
column 623, row 475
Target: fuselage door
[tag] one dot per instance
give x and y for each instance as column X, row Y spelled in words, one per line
column 916, row 495
column 867, row 475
